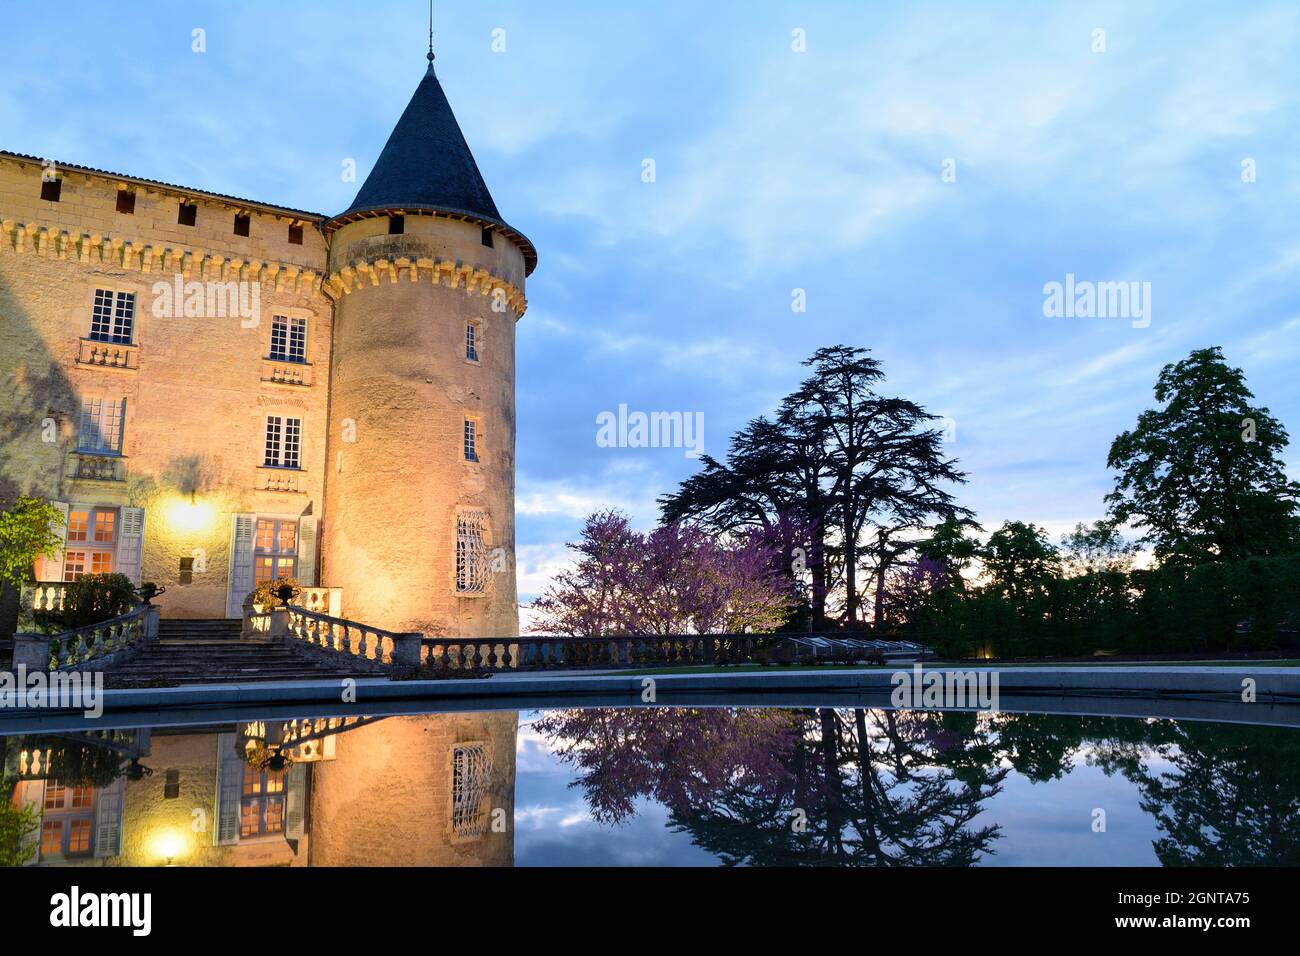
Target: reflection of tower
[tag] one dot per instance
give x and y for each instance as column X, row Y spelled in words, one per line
column 429, row 282
column 430, row 790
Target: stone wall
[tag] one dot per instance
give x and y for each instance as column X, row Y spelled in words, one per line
column 196, row 402
column 401, row 391
column 385, row 800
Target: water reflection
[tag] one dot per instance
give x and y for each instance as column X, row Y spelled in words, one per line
column 808, row 787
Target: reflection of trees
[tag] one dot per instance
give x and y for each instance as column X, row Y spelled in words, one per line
column 1230, row 795
column 782, row 787
column 1234, row 800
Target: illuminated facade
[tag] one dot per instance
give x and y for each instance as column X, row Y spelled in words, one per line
column 430, row 790
column 217, row 391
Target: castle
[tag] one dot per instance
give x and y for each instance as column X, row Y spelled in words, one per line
column 218, row 392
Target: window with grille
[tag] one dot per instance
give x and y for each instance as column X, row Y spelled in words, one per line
column 100, row 429
column 283, row 442
column 112, row 318
column 471, row 552
column 275, row 549
column 288, row 339
column 471, row 440
column 471, row 341
column 470, row 770
column 261, row 803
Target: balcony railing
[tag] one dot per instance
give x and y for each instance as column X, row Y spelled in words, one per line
column 284, row 372
column 123, row 356
column 90, row 466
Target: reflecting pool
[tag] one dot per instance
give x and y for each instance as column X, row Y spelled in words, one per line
column 706, row 786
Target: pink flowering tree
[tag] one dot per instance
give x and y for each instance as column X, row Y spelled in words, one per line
column 675, row 579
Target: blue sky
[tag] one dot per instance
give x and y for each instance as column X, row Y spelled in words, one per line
column 775, row 171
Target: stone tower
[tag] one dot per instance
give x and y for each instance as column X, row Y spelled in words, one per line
column 419, row 496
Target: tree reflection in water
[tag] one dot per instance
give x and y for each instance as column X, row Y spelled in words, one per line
column 896, row 788
column 791, row 787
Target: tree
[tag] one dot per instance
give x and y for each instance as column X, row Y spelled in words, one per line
column 949, row 545
column 841, row 459
column 27, row 533
column 676, row 579
column 1096, row 549
column 1203, row 474
column 1019, row 559
column 17, row 824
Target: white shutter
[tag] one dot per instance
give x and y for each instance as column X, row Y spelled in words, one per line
column 240, row 580
column 130, row 546
column 51, row 569
column 108, row 818
column 307, row 551
column 230, row 786
column 31, row 793
column 295, row 801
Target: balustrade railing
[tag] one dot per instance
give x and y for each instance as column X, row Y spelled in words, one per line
column 371, row 646
column 88, row 646
column 43, row 596
column 546, row 653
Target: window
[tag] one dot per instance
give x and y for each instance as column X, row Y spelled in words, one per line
column 172, row 785
column 51, row 189
column 275, row 549
column 396, row 225
column 471, row 341
column 471, row 440
column 486, row 237
column 100, row 430
column 469, row 778
column 112, row 317
column 91, row 541
column 188, row 214
column 288, row 339
column 261, row 805
column 242, row 223
column 126, row 202
column 471, row 552
column 295, row 235
column 283, row 442
column 67, row 821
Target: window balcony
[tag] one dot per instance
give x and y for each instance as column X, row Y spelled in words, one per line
column 119, row 356
column 271, row 478
column 96, row 466
column 285, row 372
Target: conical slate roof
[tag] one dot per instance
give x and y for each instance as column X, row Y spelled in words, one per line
column 427, row 166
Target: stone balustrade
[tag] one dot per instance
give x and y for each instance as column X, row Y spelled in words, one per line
column 92, row 467
column 545, row 653
column 285, row 372
column 43, row 596
column 371, row 648
column 91, row 647
column 115, row 355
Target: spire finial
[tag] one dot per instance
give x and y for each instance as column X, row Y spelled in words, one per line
column 430, row 53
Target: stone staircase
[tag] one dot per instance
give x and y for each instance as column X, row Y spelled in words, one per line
column 198, row 652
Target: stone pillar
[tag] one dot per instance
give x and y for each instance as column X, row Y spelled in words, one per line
column 406, row 653
column 32, row 651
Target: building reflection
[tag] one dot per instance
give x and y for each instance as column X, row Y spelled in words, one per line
column 429, row 790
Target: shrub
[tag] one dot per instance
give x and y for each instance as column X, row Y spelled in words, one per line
column 88, row 600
